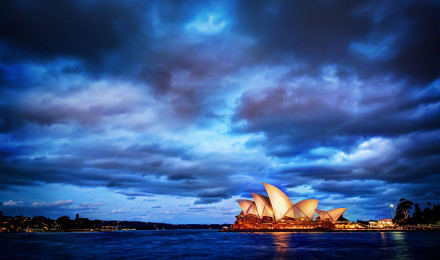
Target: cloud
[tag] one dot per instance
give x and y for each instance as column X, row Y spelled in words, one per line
column 199, row 209
column 131, row 193
column 209, row 196
column 58, row 203
column 207, row 23
column 204, row 101
column 118, row 211
column 86, row 207
column 31, row 29
column 326, row 33
column 12, row 203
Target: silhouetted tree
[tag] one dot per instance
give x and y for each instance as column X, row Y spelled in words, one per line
column 436, row 214
column 403, row 209
column 65, row 222
column 428, row 215
column 418, row 215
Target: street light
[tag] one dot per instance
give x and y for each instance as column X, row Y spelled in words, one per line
column 392, row 212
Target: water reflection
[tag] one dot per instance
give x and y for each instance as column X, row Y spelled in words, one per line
column 401, row 248
column 282, row 244
column 383, row 237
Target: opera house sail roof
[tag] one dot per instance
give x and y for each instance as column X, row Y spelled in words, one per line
column 323, row 214
column 264, row 208
column 248, row 207
column 332, row 215
column 278, row 206
column 336, row 213
column 281, row 204
column 306, row 207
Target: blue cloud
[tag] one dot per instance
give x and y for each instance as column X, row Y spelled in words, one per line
column 105, row 104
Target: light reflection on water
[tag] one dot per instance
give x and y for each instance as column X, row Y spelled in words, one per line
column 282, row 243
column 383, row 237
column 380, row 245
column 202, row 244
column 401, row 245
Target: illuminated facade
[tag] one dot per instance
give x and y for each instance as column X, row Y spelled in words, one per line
column 386, row 222
column 276, row 211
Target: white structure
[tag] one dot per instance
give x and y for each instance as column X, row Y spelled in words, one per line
column 281, row 204
column 264, row 208
column 248, row 207
column 332, row 215
column 306, row 208
column 278, row 205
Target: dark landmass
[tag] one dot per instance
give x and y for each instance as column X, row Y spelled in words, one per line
column 9, row 224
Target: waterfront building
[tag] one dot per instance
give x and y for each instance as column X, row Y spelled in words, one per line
column 386, row 222
column 276, row 211
column 373, row 223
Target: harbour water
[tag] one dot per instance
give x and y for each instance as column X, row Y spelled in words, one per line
column 211, row 244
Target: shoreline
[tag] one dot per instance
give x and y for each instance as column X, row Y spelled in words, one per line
column 105, row 231
column 325, row 231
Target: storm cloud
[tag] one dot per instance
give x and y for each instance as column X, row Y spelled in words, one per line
column 202, row 101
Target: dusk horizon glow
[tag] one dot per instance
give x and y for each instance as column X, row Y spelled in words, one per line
column 170, row 111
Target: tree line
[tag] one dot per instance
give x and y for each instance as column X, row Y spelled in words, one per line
column 409, row 213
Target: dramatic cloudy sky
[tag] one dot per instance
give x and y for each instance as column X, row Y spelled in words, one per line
column 170, row 111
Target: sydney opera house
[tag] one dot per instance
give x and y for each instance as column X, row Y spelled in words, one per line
column 276, row 211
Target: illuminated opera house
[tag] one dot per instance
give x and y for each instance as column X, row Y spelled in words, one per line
column 278, row 212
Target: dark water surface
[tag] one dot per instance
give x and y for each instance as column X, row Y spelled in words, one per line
column 177, row 244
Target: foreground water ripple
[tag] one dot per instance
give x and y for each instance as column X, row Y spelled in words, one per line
column 197, row 244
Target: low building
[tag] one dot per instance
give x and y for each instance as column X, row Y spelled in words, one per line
column 373, row 223
column 386, row 222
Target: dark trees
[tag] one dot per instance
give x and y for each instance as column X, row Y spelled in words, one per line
column 402, row 210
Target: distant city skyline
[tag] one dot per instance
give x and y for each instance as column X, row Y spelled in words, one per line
column 169, row 111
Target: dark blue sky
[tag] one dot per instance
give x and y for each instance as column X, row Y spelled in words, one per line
column 170, row 111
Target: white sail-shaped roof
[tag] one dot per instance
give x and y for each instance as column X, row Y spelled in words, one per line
column 281, row 204
column 248, row 207
column 298, row 213
column 332, row 215
column 264, row 207
column 291, row 213
column 336, row 213
column 323, row 214
column 306, row 207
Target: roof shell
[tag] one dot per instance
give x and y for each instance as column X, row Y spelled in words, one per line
column 281, row 204
column 336, row 213
column 248, row 207
column 292, row 212
column 332, row 215
column 264, row 208
column 306, row 208
column 323, row 214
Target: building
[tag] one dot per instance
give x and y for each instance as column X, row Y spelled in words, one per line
column 379, row 224
column 373, row 223
column 386, row 222
column 276, row 211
